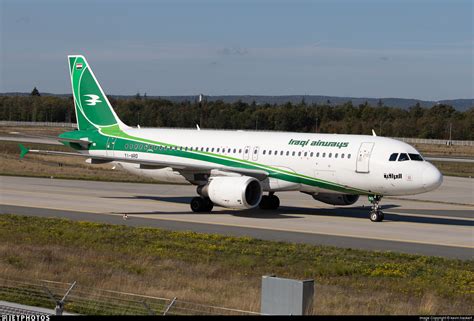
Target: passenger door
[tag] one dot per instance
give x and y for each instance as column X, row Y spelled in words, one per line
column 363, row 157
column 110, row 146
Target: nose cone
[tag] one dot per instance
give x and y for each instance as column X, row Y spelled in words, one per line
column 432, row 178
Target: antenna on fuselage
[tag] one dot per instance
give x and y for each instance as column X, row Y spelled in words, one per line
column 373, row 133
column 197, row 126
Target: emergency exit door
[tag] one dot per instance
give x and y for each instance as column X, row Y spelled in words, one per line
column 363, row 157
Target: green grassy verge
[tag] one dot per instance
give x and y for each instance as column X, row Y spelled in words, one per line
column 226, row 271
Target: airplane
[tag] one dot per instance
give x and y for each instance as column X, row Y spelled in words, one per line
column 244, row 169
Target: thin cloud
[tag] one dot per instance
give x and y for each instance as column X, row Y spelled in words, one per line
column 233, row 52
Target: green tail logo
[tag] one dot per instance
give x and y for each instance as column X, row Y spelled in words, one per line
column 93, row 109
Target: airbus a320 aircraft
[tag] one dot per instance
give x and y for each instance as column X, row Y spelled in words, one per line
column 235, row 168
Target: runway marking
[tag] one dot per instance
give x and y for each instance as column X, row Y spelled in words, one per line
column 256, row 227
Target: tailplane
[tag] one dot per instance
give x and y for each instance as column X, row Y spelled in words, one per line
column 93, row 109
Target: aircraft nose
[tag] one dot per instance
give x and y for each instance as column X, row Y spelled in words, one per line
column 432, row 178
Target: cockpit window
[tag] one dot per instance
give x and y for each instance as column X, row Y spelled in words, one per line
column 393, row 157
column 416, row 157
column 403, row 157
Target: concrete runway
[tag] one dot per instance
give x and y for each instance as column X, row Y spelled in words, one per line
column 428, row 228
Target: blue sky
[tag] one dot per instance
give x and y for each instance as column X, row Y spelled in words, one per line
column 409, row 49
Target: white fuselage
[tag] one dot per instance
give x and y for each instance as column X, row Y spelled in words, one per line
column 357, row 161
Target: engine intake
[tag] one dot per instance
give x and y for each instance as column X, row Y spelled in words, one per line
column 336, row 199
column 236, row 192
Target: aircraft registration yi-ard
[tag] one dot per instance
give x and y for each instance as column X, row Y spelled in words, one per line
column 234, row 169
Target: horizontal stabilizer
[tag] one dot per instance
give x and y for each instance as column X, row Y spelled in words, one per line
column 23, row 151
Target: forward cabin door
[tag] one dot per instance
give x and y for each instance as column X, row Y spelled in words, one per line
column 363, row 157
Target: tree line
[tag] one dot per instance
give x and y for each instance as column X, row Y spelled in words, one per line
column 416, row 121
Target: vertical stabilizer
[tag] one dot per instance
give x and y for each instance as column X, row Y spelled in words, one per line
column 93, row 109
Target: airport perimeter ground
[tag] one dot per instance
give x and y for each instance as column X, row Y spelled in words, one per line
column 418, row 261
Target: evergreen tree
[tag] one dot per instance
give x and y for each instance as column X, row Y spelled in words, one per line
column 35, row 92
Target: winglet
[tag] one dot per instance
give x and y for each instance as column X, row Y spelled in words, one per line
column 23, row 151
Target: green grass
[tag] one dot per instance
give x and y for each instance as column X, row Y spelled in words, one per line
column 201, row 265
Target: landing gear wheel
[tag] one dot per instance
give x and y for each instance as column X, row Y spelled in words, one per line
column 376, row 216
column 269, row 202
column 199, row 204
column 274, row 202
column 208, row 205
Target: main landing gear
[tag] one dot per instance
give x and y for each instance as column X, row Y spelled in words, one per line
column 269, row 202
column 376, row 214
column 201, row 204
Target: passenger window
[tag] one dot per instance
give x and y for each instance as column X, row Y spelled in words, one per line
column 335, row 155
column 269, row 152
column 330, row 155
column 264, row 151
column 281, row 153
column 287, row 153
column 403, row 157
column 299, row 153
column 207, row 149
column 255, row 151
column 293, row 154
column 305, row 154
column 416, row 157
column 324, row 155
column 348, row 156
column 311, row 154
column 234, row 150
column 218, row 150
column 317, row 154
column 393, row 157
column 342, row 155
column 228, row 151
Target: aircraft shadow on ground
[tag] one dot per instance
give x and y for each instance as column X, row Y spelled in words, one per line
column 283, row 212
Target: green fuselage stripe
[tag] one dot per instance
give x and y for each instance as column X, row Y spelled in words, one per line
column 123, row 139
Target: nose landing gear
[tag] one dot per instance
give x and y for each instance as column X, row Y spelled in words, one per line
column 376, row 214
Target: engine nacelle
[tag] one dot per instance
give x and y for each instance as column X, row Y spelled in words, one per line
column 236, row 192
column 336, row 199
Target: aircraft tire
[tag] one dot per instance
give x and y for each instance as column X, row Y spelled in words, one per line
column 376, row 216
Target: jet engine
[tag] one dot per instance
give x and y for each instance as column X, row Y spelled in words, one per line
column 336, row 199
column 237, row 192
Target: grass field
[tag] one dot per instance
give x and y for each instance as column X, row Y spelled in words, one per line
column 226, row 271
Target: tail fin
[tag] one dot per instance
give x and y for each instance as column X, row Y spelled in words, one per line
column 93, row 109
